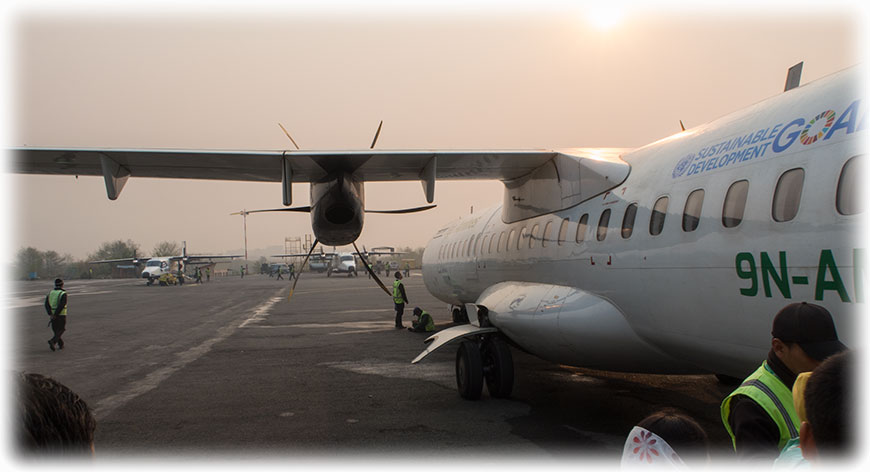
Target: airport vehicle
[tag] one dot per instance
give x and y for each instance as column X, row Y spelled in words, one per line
column 670, row 258
column 342, row 263
column 158, row 266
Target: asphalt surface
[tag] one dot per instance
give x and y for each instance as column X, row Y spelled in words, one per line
column 231, row 368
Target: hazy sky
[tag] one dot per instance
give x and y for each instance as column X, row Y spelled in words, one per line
column 486, row 76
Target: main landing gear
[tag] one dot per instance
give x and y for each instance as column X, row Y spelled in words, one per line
column 460, row 315
column 487, row 358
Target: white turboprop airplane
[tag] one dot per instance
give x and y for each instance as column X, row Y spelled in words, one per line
column 341, row 262
column 670, row 258
column 157, row 266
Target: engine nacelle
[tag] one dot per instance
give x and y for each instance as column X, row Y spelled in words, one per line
column 571, row 326
column 337, row 210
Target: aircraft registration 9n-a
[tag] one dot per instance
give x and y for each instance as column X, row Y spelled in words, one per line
column 670, row 258
column 157, row 266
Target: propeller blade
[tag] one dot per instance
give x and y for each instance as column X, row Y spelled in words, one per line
column 288, row 135
column 305, row 209
column 377, row 133
column 299, row 274
column 370, row 271
column 405, row 210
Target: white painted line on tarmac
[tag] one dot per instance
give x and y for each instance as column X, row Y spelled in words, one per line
column 150, row 381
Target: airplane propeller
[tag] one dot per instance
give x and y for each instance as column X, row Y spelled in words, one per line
column 299, row 274
column 307, row 209
column 369, row 270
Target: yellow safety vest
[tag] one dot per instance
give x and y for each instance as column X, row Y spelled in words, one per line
column 54, row 300
column 397, row 294
column 766, row 389
column 426, row 318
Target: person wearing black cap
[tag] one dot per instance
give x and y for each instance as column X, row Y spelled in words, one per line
column 55, row 306
column 759, row 415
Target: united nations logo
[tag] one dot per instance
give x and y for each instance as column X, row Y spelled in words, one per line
column 681, row 167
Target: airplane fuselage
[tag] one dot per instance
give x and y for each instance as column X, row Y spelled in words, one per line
column 682, row 265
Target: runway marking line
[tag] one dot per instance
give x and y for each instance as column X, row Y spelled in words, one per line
column 150, row 381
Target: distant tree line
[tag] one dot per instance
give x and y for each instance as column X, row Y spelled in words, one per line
column 33, row 263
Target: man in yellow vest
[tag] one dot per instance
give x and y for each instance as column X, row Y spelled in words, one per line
column 399, row 298
column 55, row 306
column 759, row 415
column 423, row 322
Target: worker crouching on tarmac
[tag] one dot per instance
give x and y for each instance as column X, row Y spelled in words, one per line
column 423, row 322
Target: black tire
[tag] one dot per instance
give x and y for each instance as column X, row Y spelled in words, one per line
column 469, row 371
column 498, row 367
column 456, row 315
column 728, row 380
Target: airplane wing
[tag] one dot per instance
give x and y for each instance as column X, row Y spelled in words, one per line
column 201, row 257
column 266, row 166
column 134, row 260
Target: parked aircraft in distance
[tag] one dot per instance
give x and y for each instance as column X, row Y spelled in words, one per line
column 157, row 266
column 670, row 258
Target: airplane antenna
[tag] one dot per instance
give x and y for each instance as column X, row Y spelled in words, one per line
column 377, row 133
column 793, row 79
column 288, row 135
column 682, row 125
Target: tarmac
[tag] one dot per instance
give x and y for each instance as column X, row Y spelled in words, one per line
column 232, row 369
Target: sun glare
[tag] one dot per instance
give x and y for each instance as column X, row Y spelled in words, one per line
column 603, row 17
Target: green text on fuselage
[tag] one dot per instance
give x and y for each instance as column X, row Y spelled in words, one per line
column 770, row 273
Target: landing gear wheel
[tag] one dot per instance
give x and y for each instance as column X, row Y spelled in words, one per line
column 469, row 371
column 728, row 380
column 498, row 367
column 460, row 315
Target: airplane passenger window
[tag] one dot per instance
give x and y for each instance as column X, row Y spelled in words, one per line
column 657, row 219
column 563, row 230
column 628, row 220
column 735, row 203
column 581, row 228
column 692, row 211
column 501, row 239
column 533, row 236
column 602, row 225
column 476, row 244
column 547, row 229
column 482, row 242
column 787, row 196
column 462, row 251
column 850, row 199
column 524, row 233
column 469, row 251
column 512, row 238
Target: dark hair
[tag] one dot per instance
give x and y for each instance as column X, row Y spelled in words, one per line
column 827, row 399
column 397, row 274
column 52, row 418
column 682, row 433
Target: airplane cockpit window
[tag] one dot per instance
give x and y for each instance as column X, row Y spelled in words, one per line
column 533, row 235
column 735, row 203
column 152, row 264
column 850, row 198
column 603, row 221
column 548, row 228
column 657, row 218
column 692, row 211
column 563, row 230
column 581, row 228
column 628, row 220
column 787, row 196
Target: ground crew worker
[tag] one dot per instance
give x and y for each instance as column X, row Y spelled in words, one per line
column 197, row 275
column 279, row 274
column 208, row 274
column 759, row 415
column 55, row 306
column 292, row 271
column 423, row 321
column 399, row 298
column 407, row 269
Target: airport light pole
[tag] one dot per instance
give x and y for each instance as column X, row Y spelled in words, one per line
column 244, row 214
